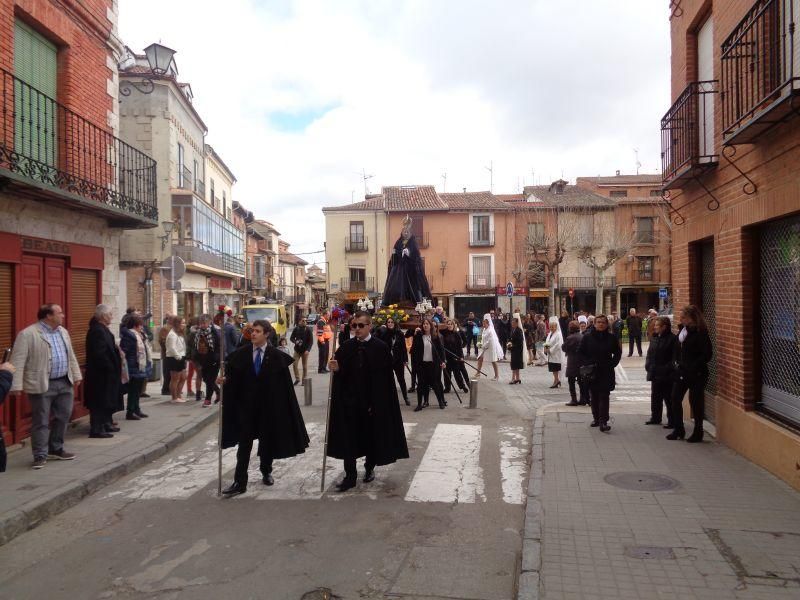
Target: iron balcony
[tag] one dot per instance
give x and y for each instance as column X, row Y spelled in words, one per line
column 49, row 152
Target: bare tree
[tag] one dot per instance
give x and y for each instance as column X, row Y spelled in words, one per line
column 601, row 250
column 545, row 250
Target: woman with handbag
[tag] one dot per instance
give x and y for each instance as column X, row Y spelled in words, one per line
column 552, row 349
column 600, row 353
column 693, row 352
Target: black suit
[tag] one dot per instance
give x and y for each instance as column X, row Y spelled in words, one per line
column 261, row 406
column 102, row 384
column 429, row 373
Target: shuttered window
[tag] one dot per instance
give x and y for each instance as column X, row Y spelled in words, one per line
column 6, row 306
column 82, row 302
column 34, row 100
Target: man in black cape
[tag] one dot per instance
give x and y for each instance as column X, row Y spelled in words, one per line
column 406, row 281
column 259, row 403
column 364, row 414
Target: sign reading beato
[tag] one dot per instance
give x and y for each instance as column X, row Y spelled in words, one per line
column 44, row 246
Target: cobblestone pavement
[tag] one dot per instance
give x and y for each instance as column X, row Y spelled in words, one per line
column 720, row 527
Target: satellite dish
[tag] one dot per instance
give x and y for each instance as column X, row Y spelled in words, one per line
column 173, row 268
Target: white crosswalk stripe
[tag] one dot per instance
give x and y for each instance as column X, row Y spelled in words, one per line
column 449, row 470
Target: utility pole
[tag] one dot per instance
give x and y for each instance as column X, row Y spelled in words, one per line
column 490, row 168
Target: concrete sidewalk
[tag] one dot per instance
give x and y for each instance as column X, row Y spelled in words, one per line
column 632, row 515
column 28, row 497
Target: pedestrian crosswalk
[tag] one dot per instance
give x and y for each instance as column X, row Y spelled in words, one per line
column 449, row 463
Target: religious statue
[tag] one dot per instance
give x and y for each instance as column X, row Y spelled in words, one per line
column 406, row 282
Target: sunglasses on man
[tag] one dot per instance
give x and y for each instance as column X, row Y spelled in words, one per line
column 358, row 325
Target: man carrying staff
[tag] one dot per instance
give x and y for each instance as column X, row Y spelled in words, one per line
column 364, row 414
column 260, row 403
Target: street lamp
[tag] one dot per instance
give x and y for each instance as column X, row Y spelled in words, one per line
column 159, row 58
column 168, row 227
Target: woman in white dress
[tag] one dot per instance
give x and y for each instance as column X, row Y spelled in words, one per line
column 490, row 347
column 552, row 348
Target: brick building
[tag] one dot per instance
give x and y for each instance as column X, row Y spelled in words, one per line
column 731, row 156
column 68, row 185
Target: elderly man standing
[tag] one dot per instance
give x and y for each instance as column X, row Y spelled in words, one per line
column 634, row 323
column 47, row 370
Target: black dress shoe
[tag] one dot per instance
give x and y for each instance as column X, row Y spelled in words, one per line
column 268, row 480
column 652, row 422
column 346, row 484
column 418, row 408
column 669, row 426
column 132, row 417
column 605, row 427
column 594, row 424
column 411, row 390
column 141, row 415
column 407, row 401
column 296, row 381
column 234, row 489
column 571, row 403
column 110, row 429
column 696, row 437
column 369, row 475
column 144, row 395
column 104, row 435
column 677, row 434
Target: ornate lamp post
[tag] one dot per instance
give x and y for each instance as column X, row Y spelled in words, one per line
column 159, row 58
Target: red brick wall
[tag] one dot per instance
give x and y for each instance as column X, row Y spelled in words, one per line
column 80, row 30
column 773, row 163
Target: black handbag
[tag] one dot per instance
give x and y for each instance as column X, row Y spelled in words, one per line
column 588, row 372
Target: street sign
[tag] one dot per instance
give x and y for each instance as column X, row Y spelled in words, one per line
column 509, row 289
column 662, row 293
column 173, row 268
column 571, row 293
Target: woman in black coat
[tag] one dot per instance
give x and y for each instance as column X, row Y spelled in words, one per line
column 516, row 345
column 102, row 393
column 571, row 348
column 131, row 341
column 658, row 366
column 601, row 349
column 693, row 352
column 427, row 355
column 391, row 335
column 453, row 343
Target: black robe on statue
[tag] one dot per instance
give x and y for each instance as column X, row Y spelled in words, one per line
column 406, row 280
column 268, row 398
column 365, row 416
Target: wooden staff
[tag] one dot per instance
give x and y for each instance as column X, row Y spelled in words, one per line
column 328, row 410
column 221, row 387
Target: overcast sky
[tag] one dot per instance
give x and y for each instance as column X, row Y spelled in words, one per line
column 301, row 96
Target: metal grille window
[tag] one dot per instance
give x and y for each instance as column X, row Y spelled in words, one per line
column 645, row 272
column 780, row 317
column 619, row 193
column 708, row 306
column 645, row 230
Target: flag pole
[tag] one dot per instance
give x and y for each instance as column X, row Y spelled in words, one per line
column 220, row 393
column 334, row 336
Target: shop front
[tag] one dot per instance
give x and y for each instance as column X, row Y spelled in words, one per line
column 223, row 292
column 539, row 301
column 36, row 271
column 477, row 304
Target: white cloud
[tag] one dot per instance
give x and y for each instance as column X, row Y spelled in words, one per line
column 413, row 88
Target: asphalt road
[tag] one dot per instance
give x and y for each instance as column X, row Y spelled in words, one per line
column 446, row 523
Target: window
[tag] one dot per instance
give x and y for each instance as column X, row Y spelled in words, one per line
column 356, row 235
column 619, row 193
column 655, row 193
column 358, row 279
column 181, row 182
column 535, row 233
column 213, row 197
column 481, row 232
column 225, row 205
column 645, row 230
column 35, row 65
column 645, row 268
column 196, row 175
column 482, row 271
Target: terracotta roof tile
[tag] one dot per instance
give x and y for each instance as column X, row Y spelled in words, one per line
column 510, row 197
column 373, row 203
column 412, row 198
column 644, row 179
column 473, row 201
column 572, row 197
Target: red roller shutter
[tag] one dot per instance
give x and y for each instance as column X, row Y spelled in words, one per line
column 6, row 334
column 82, row 302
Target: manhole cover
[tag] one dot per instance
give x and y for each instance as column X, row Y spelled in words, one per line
column 320, row 594
column 657, row 552
column 641, row 482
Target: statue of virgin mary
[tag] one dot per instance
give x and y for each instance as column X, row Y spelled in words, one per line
column 406, row 282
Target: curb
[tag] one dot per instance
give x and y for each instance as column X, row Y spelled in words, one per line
column 529, row 584
column 35, row 512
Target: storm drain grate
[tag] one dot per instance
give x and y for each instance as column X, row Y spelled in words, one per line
column 320, row 594
column 641, row 482
column 657, row 552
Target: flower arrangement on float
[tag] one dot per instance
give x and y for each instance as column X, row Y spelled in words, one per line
column 398, row 315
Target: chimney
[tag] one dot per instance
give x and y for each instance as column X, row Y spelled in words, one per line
column 465, row 190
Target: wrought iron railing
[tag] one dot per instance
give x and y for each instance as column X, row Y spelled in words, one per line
column 687, row 133
column 423, row 241
column 200, row 188
column 355, row 243
column 49, row 144
column 185, row 179
column 481, row 238
column 352, row 285
column 585, row 283
column 482, row 282
column 759, row 63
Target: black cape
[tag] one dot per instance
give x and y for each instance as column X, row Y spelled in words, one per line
column 364, row 383
column 406, row 280
column 268, row 398
column 102, row 382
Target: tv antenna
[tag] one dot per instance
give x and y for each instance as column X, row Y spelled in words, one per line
column 490, row 168
column 638, row 164
column 444, row 182
column 366, row 178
